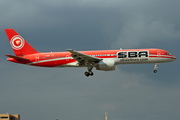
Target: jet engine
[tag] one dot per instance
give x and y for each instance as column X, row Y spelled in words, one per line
column 106, row 65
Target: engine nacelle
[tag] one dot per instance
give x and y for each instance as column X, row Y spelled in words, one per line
column 106, row 65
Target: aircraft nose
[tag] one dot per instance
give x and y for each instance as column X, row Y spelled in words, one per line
column 174, row 58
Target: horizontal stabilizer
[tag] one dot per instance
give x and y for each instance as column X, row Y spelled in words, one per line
column 16, row 57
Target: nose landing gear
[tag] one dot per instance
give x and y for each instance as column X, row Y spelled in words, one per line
column 155, row 67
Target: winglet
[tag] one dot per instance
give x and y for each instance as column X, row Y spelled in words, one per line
column 70, row 50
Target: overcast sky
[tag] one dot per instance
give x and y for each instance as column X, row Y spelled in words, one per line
column 131, row 92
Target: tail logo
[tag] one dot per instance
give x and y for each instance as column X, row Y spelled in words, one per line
column 17, row 42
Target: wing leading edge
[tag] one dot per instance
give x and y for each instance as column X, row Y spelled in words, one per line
column 80, row 57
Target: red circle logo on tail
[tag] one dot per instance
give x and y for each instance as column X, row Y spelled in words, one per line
column 17, row 42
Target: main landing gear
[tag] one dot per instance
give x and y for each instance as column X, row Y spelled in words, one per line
column 155, row 67
column 89, row 71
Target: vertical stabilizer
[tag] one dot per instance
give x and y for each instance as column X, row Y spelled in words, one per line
column 18, row 44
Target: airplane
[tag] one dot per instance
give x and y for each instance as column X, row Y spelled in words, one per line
column 105, row 60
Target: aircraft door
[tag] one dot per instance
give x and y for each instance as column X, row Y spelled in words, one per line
column 37, row 57
column 67, row 57
column 158, row 53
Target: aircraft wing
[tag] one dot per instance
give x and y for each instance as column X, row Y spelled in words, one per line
column 16, row 57
column 83, row 57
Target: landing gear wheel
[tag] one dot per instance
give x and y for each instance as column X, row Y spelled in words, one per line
column 155, row 71
column 91, row 73
column 86, row 74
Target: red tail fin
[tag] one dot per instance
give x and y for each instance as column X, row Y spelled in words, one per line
column 19, row 45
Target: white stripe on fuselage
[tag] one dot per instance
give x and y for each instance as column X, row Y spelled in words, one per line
column 50, row 60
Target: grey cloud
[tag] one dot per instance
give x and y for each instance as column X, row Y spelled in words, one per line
column 134, row 33
column 38, row 89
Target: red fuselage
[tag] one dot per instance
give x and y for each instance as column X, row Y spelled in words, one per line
column 61, row 59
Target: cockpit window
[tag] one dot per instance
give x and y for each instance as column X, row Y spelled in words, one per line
column 168, row 53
